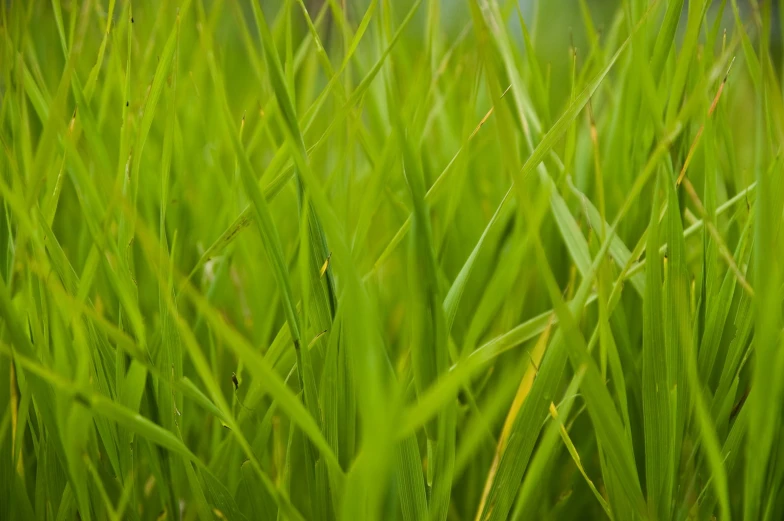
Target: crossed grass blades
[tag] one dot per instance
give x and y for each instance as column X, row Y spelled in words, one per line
column 470, row 260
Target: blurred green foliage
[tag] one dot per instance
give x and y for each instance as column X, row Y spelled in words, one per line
column 391, row 260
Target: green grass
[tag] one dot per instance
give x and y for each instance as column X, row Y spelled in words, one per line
column 417, row 260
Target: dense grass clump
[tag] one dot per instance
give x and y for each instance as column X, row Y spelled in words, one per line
column 391, row 260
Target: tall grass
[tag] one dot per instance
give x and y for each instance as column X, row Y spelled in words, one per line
column 444, row 260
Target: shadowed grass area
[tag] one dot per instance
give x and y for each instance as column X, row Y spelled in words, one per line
column 435, row 260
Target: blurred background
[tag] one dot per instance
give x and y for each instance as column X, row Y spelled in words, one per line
column 557, row 26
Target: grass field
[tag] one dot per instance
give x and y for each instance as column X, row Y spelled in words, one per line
column 406, row 260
